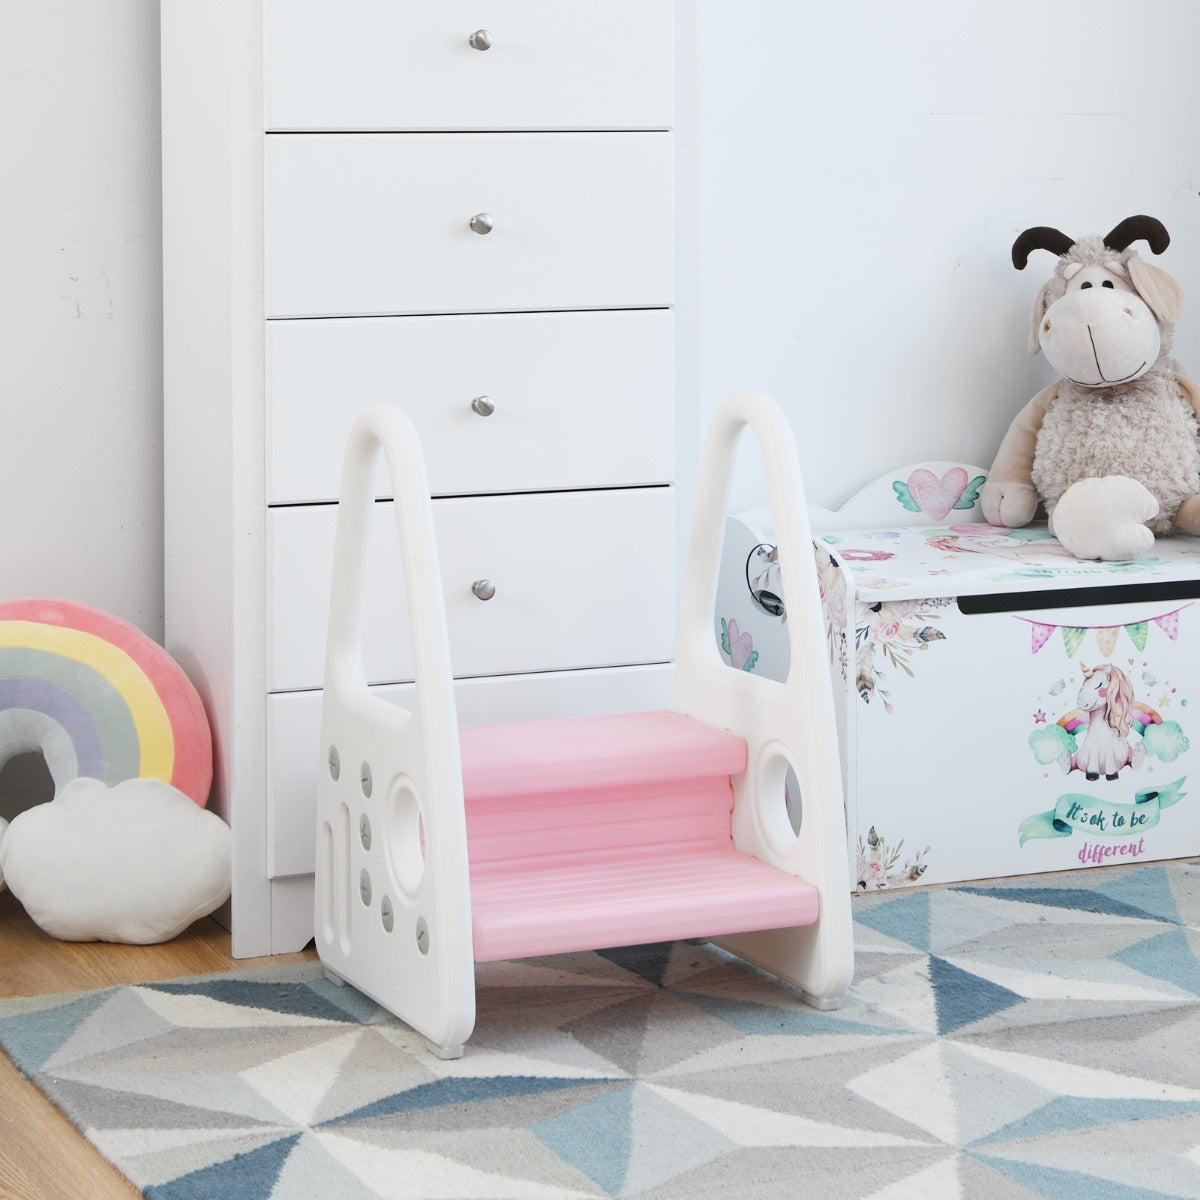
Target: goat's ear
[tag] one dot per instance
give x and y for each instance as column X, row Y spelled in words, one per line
column 1035, row 323
column 1157, row 288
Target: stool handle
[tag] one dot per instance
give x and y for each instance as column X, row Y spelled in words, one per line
column 787, row 723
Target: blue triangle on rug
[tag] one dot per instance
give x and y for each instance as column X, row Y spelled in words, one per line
column 962, row 998
column 1057, row 1184
column 1075, row 898
column 249, row 1176
column 905, row 919
column 454, row 1091
column 294, row 999
column 31, row 1038
column 649, row 961
column 1168, row 957
column 1065, row 1114
column 595, row 1138
column 1148, row 889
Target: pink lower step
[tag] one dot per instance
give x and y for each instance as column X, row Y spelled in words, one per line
column 591, row 832
column 523, row 912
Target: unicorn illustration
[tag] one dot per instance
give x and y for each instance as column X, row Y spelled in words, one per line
column 1102, row 724
column 1030, row 547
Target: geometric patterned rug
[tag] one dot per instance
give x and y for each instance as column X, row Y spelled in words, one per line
column 1035, row 1038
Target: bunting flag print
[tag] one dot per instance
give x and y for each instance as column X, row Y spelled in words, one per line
column 1169, row 623
column 1072, row 638
column 1106, row 635
column 1041, row 634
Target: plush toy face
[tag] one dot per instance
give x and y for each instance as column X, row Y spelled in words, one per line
column 1101, row 332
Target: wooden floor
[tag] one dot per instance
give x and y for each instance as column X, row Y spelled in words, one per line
column 42, row 1157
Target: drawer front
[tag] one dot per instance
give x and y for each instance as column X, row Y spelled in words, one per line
column 582, row 579
column 362, row 224
column 399, row 64
column 580, row 399
column 294, row 720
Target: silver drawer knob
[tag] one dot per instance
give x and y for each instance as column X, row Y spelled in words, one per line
column 480, row 40
column 483, row 406
column 482, row 223
column 485, row 589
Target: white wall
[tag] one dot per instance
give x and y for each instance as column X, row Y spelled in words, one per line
column 865, row 166
column 80, row 305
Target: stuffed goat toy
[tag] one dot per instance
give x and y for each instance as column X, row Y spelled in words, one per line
column 1113, row 447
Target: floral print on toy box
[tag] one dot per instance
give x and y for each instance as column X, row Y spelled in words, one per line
column 1003, row 708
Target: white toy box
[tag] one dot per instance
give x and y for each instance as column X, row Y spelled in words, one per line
column 1002, row 707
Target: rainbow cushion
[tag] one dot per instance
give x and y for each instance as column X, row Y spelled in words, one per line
column 99, row 699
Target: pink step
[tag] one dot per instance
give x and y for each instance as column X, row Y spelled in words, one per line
column 606, row 751
column 518, row 912
column 609, row 831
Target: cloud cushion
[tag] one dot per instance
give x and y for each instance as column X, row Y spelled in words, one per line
column 137, row 862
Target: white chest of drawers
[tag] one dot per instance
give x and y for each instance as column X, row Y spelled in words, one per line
column 466, row 210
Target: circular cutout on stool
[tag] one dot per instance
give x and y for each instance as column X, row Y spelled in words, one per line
column 782, row 802
column 99, row 699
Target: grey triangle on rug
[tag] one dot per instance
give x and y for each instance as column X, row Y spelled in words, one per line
column 1028, row 1038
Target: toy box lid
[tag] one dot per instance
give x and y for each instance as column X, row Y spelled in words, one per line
column 977, row 559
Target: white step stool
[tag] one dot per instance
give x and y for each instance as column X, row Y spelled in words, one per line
column 439, row 847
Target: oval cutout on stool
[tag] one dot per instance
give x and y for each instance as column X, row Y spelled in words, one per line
column 793, row 801
column 405, row 836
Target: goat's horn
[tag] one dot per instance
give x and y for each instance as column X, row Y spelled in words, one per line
column 1133, row 228
column 1040, row 237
